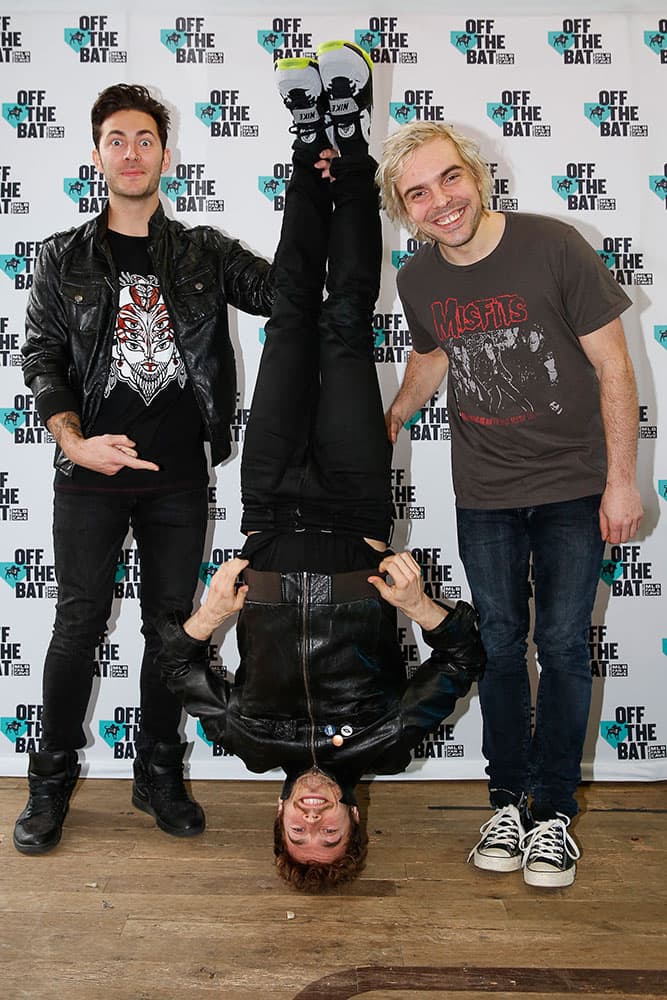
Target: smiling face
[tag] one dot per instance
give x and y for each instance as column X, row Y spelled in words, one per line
column 316, row 824
column 130, row 155
column 442, row 198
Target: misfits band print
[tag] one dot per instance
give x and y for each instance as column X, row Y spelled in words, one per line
column 144, row 353
column 509, row 372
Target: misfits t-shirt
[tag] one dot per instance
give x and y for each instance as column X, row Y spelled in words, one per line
column 148, row 395
column 523, row 399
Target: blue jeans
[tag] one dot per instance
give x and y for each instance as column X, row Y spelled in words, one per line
column 88, row 532
column 496, row 547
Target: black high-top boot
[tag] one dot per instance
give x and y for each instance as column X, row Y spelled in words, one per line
column 159, row 790
column 52, row 776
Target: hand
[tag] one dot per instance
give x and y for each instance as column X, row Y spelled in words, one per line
column 224, row 599
column 105, row 453
column 393, row 423
column 406, row 591
column 621, row 513
column 324, row 163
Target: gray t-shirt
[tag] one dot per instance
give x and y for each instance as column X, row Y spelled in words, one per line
column 523, row 398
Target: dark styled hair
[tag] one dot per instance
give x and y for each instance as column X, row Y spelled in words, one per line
column 128, row 97
column 316, row 876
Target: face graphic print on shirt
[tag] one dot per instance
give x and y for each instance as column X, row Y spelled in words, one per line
column 144, row 353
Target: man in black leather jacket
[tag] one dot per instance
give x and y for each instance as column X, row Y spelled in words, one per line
column 321, row 690
column 129, row 359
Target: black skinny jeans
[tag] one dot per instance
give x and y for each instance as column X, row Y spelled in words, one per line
column 88, row 531
column 316, row 453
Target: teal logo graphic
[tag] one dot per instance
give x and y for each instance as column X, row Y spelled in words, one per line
column 656, row 40
column 269, row 40
column 499, row 113
column 660, row 335
column 563, row 186
column 11, row 265
column 74, row 188
column 207, row 113
column 658, row 185
column 560, row 40
column 172, row 39
column 172, row 187
column 12, row 573
column 11, row 419
column 121, row 572
column 15, row 113
column 76, row 38
column 614, row 733
column 206, row 571
column 611, row 570
column 664, row 647
column 414, row 419
column 596, row 113
column 402, row 112
column 262, row 335
column 110, row 731
column 13, row 728
column 271, row 187
column 662, row 488
column 367, row 39
column 399, row 258
column 462, row 40
column 379, row 338
column 202, row 735
column 607, row 258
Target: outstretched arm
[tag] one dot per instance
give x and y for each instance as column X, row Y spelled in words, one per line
column 183, row 658
column 423, row 375
column 621, row 507
column 458, row 657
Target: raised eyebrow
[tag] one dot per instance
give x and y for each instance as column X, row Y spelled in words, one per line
column 123, row 135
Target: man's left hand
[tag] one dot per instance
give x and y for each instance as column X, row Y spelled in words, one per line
column 406, row 590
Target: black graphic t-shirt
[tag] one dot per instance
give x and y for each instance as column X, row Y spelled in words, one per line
column 523, row 398
column 148, row 395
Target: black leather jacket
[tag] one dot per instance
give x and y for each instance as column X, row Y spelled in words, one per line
column 72, row 309
column 319, row 657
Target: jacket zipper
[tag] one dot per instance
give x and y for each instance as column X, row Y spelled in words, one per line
column 304, row 664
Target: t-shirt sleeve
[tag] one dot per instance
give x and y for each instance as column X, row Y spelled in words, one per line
column 592, row 297
column 422, row 340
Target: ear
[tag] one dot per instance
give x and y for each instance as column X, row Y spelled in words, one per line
column 166, row 161
column 354, row 813
column 280, row 806
column 97, row 161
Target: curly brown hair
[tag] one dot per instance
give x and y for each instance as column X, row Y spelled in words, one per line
column 314, row 876
column 128, row 97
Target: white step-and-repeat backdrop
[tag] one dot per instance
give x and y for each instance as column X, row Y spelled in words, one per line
column 570, row 115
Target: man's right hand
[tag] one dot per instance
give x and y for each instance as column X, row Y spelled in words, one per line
column 393, row 423
column 106, row 453
column 225, row 598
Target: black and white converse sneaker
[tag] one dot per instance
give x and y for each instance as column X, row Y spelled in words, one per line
column 302, row 92
column 346, row 72
column 549, row 853
column 499, row 849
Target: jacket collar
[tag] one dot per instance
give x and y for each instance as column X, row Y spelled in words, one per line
column 156, row 224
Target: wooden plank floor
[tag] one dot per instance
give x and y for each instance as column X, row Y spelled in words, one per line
column 121, row 911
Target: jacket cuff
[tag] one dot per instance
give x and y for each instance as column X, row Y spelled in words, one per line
column 48, row 403
column 178, row 648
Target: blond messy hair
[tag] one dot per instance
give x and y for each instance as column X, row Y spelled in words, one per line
column 399, row 146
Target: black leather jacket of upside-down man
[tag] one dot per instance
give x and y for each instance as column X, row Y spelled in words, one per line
column 319, row 656
column 73, row 303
